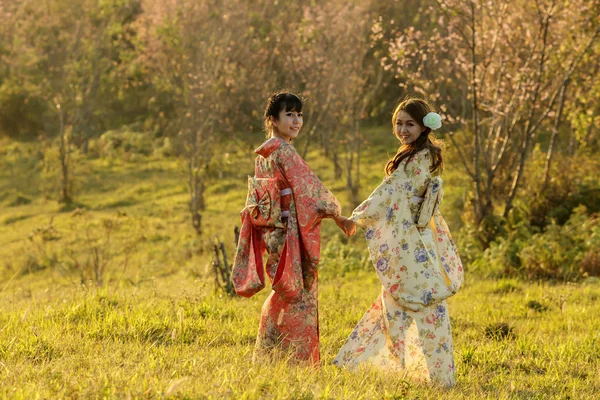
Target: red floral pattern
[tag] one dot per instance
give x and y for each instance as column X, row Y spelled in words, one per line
column 289, row 320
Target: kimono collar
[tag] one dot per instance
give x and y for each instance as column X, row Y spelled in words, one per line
column 270, row 146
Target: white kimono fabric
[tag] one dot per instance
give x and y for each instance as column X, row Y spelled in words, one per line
column 407, row 328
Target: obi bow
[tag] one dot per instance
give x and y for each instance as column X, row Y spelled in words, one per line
column 262, row 205
column 431, row 202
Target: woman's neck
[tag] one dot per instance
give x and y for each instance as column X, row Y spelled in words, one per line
column 278, row 135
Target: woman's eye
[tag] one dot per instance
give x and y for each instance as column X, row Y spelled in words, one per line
column 300, row 115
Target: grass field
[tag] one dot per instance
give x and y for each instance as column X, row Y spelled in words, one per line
column 157, row 328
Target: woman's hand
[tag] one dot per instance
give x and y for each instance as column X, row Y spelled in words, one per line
column 350, row 226
column 346, row 225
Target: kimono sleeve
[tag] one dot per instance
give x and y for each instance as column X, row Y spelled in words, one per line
column 393, row 193
column 416, row 266
column 369, row 211
column 247, row 273
column 432, row 201
column 313, row 200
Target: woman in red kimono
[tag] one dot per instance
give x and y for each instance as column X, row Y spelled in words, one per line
column 283, row 213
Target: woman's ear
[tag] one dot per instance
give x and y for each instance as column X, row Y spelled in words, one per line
column 273, row 120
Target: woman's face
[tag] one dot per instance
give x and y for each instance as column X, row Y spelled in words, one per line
column 288, row 125
column 407, row 129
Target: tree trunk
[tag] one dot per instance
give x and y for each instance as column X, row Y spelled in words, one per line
column 530, row 129
column 550, row 151
column 194, row 181
column 336, row 166
column 479, row 209
column 63, row 196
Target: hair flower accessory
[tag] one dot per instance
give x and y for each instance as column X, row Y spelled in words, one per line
column 433, row 121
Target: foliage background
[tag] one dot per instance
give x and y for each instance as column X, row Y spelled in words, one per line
column 127, row 128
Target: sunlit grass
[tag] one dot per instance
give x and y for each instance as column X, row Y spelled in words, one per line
column 158, row 328
column 175, row 335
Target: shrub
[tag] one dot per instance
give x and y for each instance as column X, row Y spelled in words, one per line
column 551, row 232
column 563, row 252
column 559, row 251
column 21, row 109
column 574, row 182
column 501, row 258
column 119, row 141
column 91, row 246
column 340, row 256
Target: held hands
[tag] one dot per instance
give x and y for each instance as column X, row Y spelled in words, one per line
column 346, row 225
column 350, row 226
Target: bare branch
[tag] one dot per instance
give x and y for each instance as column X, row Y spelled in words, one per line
column 525, row 148
column 462, row 157
column 567, row 76
column 549, row 153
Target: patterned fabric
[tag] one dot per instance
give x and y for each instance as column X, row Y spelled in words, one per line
column 407, row 328
column 289, row 319
column 264, row 202
column 431, row 203
column 260, row 205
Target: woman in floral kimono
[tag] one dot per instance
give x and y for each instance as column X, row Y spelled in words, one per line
column 286, row 203
column 408, row 327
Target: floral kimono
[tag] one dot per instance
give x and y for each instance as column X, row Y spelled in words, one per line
column 408, row 327
column 289, row 321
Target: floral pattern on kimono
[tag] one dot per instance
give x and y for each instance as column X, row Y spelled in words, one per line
column 289, row 320
column 408, row 327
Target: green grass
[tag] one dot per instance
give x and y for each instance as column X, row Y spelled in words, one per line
column 175, row 336
column 157, row 328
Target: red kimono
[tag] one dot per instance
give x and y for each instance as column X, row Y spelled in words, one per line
column 289, row 319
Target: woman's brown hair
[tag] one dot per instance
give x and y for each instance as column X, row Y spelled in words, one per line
column 417, row 109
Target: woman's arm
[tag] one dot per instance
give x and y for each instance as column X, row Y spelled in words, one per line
column 310, row 194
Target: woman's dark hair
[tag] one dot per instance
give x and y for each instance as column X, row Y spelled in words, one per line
column 417, row 109
column 278, row 102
